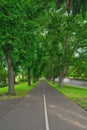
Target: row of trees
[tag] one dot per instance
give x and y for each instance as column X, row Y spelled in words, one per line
column 42, row 38
column 19, row 38
column 67, row 39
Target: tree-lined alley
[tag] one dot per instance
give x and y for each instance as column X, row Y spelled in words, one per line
column 42, row 38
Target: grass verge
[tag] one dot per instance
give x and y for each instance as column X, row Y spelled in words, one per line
column 21, row 90
column 76, row 94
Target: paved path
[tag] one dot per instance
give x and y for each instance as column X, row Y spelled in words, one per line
column 44, row 109
column 6, row 106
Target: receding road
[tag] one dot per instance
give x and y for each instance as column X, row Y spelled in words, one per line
column 43, row 109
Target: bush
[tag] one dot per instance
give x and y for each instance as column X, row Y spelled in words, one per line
column 3, row 77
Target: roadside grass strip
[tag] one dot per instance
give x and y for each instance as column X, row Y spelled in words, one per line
column 76, row 94
column 21, row 90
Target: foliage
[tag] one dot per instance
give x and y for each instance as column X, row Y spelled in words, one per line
column 3, row 77
column 41, row 40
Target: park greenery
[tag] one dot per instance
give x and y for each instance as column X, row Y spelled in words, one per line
column 74, row 93
column 42, row 38
column 21, row 90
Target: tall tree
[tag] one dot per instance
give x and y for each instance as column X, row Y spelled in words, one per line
column 76, row 6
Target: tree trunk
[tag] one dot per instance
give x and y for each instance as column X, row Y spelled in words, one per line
column 22, row 74
column 61, row 81
column 61, row 74
column 53, row 79
column 10, row 72
column 29, row 78
column 14, row 78
column 34, row 79
column 34, row 76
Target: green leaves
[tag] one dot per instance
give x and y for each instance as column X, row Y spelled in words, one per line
column 40, row 35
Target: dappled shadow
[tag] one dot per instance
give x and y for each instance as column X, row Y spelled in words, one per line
column 68, row 115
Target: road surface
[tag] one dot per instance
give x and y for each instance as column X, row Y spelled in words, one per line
column 74, row 82
column 43, row 109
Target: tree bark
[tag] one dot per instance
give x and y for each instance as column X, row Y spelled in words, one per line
column 60, row 74
column 29, row 78
column 14, row 78
column 22, row 73
column 34, row 76
column 10, row 72
column 34, row 79
column 53, row 77
column 69, row 6
column 61, row 81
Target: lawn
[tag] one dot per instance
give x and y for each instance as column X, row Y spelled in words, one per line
column 21, row 90
column 76, row 94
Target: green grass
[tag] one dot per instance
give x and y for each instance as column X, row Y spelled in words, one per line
column 20, row 91
column 76, row 94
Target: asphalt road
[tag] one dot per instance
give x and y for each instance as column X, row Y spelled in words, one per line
column 44, row 109
column 73, row 82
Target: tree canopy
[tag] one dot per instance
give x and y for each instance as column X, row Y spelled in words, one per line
column 42, row 38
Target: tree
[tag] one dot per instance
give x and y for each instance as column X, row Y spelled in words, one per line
column 76, row 6
column 79, row 66
column 33, row 47
column 8, row 16
column 64, row 39
column 13, row 18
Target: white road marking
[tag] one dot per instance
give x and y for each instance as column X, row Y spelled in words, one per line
column 45, row 110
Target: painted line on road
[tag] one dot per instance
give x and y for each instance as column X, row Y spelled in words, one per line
column 45, row 110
